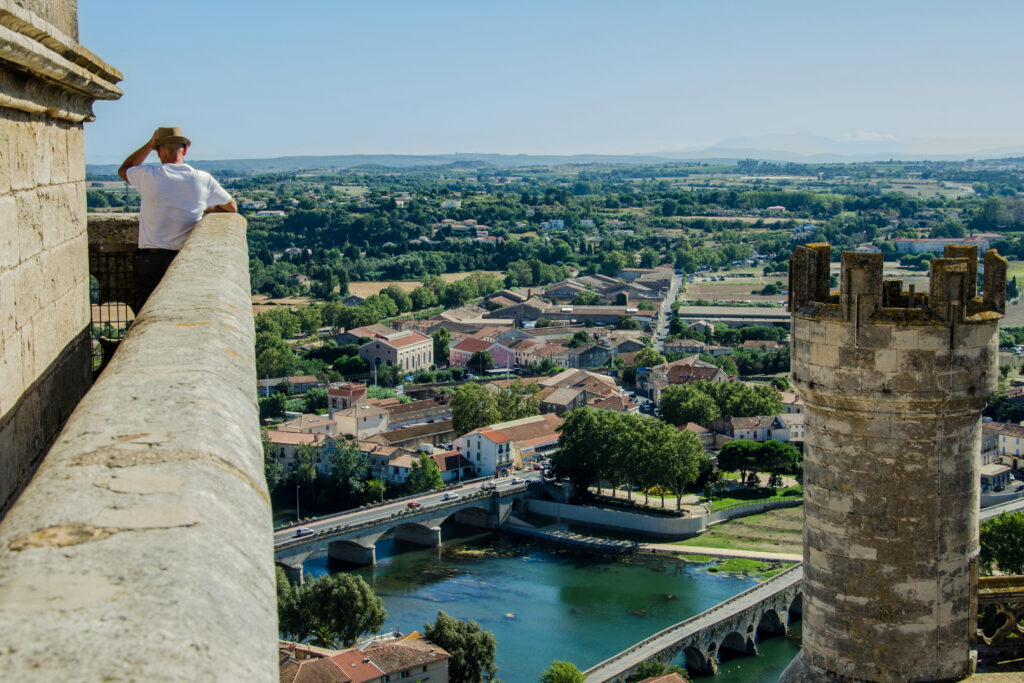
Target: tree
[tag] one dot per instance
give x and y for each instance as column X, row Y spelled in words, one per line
column 585, row 446
column 1001, row 545
column 342, row 605
column 316, row 400
column 424, row 476
column 621, row 299
column 626, row 323
column 346, row 479
column 473, row 405
column 685, row 403
column 777, row 458
column 480, row 362
column 273, row 471
column 517, row 400
column 376, row 489
column 562, row 672
column 648, row 358
column 586, row 298
column 306, row 456
column 273, row 406
column 290, row 621
column 738, row 456
column 442, row 338
column 471, row 648
column 683, row 463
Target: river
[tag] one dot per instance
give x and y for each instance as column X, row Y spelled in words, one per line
column 544, row 602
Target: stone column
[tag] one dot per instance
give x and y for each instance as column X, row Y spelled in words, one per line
column 427, row 536
column 893, row 400
column 48, row 83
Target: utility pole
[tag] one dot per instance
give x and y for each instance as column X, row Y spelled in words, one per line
column 297, row 517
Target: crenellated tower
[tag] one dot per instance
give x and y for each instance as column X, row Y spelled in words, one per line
column 894, row 381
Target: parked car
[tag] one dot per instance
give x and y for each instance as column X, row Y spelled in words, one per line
column 449, row 496
column 998, row 488
column 303, row 531
column 413, row 505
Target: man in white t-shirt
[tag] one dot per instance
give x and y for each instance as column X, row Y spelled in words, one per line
column 174, row 198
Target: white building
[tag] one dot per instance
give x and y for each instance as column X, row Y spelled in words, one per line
column 498, row 448
column 361, row 421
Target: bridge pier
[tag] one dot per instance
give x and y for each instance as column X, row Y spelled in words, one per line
column 293, row 572
column 427, row 536
column 353, row 553
column 700, row 663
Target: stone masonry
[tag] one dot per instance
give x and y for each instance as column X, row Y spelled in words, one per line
column 894, row 381
column 48, row 83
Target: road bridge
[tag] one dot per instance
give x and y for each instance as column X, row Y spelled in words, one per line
column 351, row 536
column 733, row 627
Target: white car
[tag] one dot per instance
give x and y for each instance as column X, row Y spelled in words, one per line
column 518, row 480
column 449, row 496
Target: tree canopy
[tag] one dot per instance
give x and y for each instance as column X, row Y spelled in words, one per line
column 472, row 649
column 425, row 476
column 1002, row 547
column 335, row 609
column 562, row 672
column 477, row 405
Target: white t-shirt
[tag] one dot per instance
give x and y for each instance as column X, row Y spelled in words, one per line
column 174, row 197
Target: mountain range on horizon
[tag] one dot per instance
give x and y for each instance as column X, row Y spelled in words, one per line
column 797, row 148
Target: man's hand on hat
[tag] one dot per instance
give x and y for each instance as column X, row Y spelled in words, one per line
column 152, row 140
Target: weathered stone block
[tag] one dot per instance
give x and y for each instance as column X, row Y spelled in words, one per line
column 21, row 137
column 10, row 244
column 30, row 225
column 905, row 338
column 76, row 153
column 5, row 155
column 58, row 141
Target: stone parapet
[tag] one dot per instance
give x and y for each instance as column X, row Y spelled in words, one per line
column 894, row 382
column 142, row 549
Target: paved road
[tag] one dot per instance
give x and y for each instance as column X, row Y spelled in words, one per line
column 666, row 314
column 383, row 512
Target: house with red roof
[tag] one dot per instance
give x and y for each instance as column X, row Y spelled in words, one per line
column 460, row 353
column 502, row 447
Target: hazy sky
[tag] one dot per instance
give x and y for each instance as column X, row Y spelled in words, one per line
column 265, row 79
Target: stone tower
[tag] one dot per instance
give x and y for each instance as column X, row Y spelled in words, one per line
column 894, row 382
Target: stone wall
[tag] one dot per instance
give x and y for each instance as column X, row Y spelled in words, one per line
column 47, row 86
column 142, row 548
column 894, row 382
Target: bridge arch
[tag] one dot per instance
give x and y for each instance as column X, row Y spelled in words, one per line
column 736, row 644
column 352, row 552
column 796, row 609
column 770, row 624
column 697, row 662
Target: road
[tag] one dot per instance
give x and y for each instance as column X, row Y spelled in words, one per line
column 385, row 511
column 666, row 314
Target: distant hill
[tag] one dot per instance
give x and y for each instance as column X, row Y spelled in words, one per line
column 403, row 161
column 793, row 148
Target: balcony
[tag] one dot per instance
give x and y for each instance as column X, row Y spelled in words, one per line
column 142, row 548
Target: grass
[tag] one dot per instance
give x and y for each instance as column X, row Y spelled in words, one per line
column 775, row 531
column 745, row 496
column 743, row 566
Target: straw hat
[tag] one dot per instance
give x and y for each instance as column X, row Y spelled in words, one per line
column 170, row 134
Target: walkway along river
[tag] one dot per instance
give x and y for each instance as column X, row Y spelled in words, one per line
column 546, row 602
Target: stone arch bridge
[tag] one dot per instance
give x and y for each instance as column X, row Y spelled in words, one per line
column 352, row 536
column 728, row 629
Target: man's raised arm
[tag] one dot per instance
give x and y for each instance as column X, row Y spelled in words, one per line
column 136, row 158
column 230, row 207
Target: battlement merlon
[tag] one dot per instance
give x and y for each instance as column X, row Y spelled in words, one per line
column 864, row 296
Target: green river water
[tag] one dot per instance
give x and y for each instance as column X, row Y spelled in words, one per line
column 545, row 602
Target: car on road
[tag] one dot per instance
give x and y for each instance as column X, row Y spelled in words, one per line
column 489, row 486
column 303, row 531
column 518, row 480
column 449, row 496
column 413, row 505
column 998, row 487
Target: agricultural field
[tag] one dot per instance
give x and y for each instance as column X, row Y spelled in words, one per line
column 365, row 289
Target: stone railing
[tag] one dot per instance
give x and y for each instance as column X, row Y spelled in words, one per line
column 142, row 549
column 1006, row 595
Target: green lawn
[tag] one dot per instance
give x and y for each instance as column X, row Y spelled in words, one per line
column 775, row 531
column 744, row 496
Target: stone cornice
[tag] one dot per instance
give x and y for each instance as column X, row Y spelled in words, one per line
column 42, row 70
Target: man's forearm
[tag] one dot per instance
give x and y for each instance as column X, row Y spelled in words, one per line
column 230, row 207
column 136, row 158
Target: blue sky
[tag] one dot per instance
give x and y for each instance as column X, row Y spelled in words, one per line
column 266, row 79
